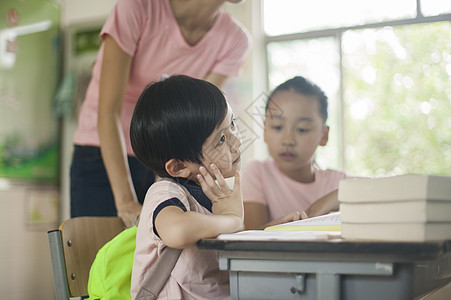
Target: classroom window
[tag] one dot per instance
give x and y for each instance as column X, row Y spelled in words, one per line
column 435, row 7
column 387, row 74
column 301, row 16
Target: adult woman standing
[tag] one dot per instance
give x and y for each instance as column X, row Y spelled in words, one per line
column 143, row 41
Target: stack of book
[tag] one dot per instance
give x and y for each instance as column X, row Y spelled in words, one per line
column 413, row 208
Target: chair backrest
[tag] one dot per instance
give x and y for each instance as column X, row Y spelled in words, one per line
column 73, row 247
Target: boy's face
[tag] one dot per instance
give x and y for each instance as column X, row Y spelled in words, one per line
column 293, row 130
column 222, row 148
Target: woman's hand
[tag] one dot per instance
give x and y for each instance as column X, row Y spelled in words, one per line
column 225, row 201
column 129, row 212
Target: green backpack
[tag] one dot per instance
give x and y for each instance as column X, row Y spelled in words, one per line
column 111, row 272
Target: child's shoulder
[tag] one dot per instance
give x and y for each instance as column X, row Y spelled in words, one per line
column 165, row 182
column 165, row 188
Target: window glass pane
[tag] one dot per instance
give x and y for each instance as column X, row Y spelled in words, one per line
column 397, row 90
column 317, row 60
column 290, row 16
column 435, row 7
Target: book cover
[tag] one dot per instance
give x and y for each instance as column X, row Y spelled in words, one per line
column 405, row 232
column 396, row 212
column 395, row 188
column 329, row 222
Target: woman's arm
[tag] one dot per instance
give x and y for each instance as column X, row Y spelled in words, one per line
column 113, row 82
column 217, row 79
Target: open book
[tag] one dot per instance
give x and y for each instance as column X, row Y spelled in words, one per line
column 318, row 228
column 329, row 222
column 265, row 235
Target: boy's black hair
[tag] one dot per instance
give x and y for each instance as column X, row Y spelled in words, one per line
column 173, row 118
column 303, row 86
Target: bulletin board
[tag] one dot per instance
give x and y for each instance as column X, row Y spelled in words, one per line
column 30, row 56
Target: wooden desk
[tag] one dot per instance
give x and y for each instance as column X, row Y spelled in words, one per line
column 335, row 269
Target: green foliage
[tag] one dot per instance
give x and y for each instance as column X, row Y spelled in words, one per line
column 398, row 100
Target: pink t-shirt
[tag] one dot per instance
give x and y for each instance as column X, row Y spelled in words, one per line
column 148, row 31
column 196, row 274
column 264, row 183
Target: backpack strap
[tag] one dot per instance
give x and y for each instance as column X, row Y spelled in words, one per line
column 160, row 271
column 158, row 274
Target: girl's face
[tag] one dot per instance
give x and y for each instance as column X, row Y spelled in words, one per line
column 293, row 130
column 222, row 148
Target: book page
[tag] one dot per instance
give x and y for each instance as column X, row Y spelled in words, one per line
column 261, row 235
column 329, row 222
column 329, row 219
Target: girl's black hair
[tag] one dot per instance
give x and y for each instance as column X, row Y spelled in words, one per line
column 173, row 118
column 305, row 87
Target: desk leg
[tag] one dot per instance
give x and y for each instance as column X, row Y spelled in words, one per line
column 328, row 286
column 234, row 285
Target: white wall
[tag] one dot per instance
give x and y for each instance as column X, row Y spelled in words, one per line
column 78, row 11
column 24, row 253
column 254, row 75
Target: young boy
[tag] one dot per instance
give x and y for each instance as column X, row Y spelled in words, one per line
column 184, row 130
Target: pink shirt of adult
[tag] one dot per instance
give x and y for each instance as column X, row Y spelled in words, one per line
column 148, row 31
column 196, row 275
column 262, row 182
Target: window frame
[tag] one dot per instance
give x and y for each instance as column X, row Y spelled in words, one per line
column 337, row 33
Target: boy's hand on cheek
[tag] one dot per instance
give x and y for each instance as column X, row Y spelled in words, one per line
column 225, row 201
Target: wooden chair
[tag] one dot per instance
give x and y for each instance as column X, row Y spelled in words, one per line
column 73, row 247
